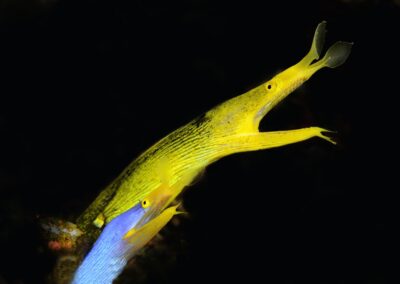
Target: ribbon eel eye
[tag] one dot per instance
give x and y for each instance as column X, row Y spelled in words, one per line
column 145, row 203
column 270, row 86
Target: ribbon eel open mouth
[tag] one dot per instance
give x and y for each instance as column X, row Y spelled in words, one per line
column 241, row 115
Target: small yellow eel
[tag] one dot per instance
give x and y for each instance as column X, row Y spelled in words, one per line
column 228, row 128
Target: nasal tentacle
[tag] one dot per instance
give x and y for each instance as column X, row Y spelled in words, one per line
column 316, row 46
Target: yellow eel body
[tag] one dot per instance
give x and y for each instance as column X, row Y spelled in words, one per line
column 228, row 128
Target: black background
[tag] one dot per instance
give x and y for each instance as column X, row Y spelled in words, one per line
column 86, row 86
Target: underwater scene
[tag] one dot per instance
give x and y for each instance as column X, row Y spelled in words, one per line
column 197, row 141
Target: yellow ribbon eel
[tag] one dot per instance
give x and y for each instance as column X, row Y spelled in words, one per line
column 229, row 128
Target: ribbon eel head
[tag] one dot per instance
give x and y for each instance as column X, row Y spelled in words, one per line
column 137, row 238
column 124, row 236
column 154, row 204
column 246, row 111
